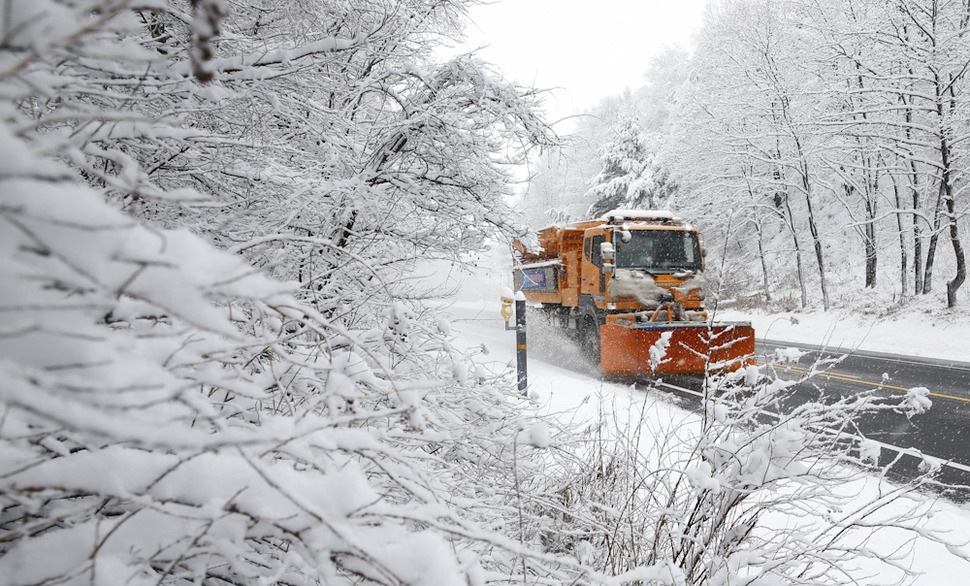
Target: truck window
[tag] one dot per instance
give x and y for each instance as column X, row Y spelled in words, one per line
column 660, row 250
column 596, row 255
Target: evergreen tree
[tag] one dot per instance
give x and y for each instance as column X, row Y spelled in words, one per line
column 630, row 176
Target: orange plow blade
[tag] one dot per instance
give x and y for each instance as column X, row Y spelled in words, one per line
column 675, row 348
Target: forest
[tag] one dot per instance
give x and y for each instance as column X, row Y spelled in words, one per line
column 219, row 363
column 821, row 146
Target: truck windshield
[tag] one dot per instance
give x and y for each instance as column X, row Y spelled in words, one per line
column 659, row 250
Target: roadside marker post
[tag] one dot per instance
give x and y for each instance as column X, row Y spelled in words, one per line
column 521, row 355
column 507, row 300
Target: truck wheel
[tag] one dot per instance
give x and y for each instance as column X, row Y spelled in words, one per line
column 589, row 340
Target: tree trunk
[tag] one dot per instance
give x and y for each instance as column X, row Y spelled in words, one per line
column 946, row 188
column 761, row 255
column 913, row 180
column 869, row 241
column 813, row 227
column 917, row 234
column 781, row 198
column 871, row 188
column 931, row 250
column 903, row 260
column 949, row 198
column 953, row 286
column 756, row 221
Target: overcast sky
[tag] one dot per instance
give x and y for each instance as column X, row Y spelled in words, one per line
column 588, row 49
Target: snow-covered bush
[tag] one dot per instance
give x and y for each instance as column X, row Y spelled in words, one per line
column 754, row 489
column 145, row 439
column 213, row 367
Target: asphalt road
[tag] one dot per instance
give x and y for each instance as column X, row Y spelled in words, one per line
column 943, row 432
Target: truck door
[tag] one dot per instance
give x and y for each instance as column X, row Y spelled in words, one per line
column 594, row 280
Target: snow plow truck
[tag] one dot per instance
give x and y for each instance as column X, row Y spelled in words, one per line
column 631, row 288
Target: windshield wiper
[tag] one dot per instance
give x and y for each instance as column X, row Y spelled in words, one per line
column 649, row 271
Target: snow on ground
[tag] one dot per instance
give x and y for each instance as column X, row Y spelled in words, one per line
column 935, row 333
column 563, row 388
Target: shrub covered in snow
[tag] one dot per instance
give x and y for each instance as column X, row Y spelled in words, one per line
column 749, row 490
column 213, row 368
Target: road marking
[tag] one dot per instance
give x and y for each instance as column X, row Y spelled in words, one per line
column 826, row 374
column 855, row 379
column 950, row 397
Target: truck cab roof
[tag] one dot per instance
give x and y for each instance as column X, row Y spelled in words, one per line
column 659, row 216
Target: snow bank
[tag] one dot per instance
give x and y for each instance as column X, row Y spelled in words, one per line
column 929, row 335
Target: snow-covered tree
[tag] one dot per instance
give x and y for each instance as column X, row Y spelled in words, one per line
column 630, row 176
column 594, row 150
column 214, row 366
column 928, row 78
column 836, row 119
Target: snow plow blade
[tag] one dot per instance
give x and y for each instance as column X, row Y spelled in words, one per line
column 662, row 348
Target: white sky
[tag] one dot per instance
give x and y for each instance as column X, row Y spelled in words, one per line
column 590, row 50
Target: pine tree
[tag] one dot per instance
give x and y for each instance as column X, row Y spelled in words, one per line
column 630, row 175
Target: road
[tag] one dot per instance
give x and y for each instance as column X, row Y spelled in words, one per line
column 942, row 432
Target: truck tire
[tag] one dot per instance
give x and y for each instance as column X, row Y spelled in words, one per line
column 589, row 339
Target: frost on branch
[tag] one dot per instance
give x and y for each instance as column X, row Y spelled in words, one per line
column 917, row 401
column 215, row 365
column 143, row 433
column 206, row 15
column 752, row 490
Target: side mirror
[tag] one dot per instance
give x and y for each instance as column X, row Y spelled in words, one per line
column 607, row 251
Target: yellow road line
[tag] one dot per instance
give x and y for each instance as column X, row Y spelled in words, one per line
column 845, row 377
column 950, row 397
column 855, row 379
